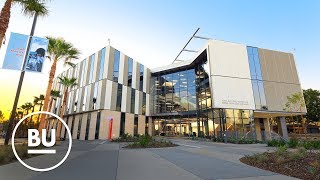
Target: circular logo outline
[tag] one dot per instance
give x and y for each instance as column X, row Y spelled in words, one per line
column 38, row 169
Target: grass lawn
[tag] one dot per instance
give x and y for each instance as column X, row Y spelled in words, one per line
column 299, row 163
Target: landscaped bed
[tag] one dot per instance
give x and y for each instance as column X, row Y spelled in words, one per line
column 7, row 156
column 299, row 163
column 143, row 141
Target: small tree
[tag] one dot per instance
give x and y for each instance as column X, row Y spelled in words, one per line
column 312, row 99
column 295, row 103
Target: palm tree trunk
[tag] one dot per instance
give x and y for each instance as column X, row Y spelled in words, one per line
column 4, row 19
column 47, row 96
column 62, row 112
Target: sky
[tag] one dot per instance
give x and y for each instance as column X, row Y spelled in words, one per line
column 154, row 31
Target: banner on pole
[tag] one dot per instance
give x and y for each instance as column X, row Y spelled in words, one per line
column 16, row 51
column 37, row 54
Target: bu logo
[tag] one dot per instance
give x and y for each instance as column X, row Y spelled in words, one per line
column 34, row 141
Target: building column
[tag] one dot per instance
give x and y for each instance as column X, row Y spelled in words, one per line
column 282, row 127
column 267, row 129
column 257, row 129
column 150, row 126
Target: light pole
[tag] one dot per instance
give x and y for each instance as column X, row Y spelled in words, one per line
column 16, row 100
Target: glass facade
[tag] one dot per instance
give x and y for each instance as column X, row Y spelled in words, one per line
column 96, row 135
column 182, row 106
column 102, row 61
column 122, row 123
column 256, row 78
column 135, row 130
column 144, row 103
column 116, row 65
column 133, row 97
column 130, row 68
column 119, row 97
column 91, row 62
column 88, row 126
column 95, row 95
column 141, row 77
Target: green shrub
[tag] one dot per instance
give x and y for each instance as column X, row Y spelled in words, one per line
column 293, row 143
column 276, row 143
column 300, row 153
column 145, row 140
column 260, row 158
column 281, row 150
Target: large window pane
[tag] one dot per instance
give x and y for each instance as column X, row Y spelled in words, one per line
column 119, row 97
column 102, row 61
column 116, row 65
column 130, row 67
column 91, row 68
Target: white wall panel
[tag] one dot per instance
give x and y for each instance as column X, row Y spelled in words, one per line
column 231, row 84
column 233, row 93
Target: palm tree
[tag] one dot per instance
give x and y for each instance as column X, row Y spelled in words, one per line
column 67, row 83
column 29, row 8
column 37, row 101
column 40, row 101
column 55, row 94
column 58, row 49
column 1, row 116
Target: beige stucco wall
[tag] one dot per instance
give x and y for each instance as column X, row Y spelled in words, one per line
column 129, row 123
column 141, row 124
column 83, row 126
column 75, row 128
column 92, row 128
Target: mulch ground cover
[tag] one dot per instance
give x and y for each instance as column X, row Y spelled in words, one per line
column 306, row 166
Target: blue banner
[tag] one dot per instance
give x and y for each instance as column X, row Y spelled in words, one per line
column 37, row 54
column 15, row 51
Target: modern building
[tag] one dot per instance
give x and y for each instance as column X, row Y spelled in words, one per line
column 226, row 90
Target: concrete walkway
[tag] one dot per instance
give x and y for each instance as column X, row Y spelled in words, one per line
column 104, row 160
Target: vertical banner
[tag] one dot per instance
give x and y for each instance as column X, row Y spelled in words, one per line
column 15, row 51
column 37, row 54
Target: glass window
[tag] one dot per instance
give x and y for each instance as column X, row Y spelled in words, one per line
column 144, row 102
column 88, row 126
column 256, row 94
column 141, row 77
column 79, row 126
column 135, row 124
column 102, row 61
column 262, row 95
column 122, row 123
column 95, row 95
column 84, row 101
column 130, row 68
column 76, row 101
column 96, row 136
column 116, row 65
column 90, row 80
column 83, row 66
column 119, row 97
column 133, row 96
column 72, row 124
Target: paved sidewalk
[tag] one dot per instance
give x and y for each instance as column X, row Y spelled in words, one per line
column 104, row 160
